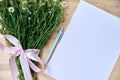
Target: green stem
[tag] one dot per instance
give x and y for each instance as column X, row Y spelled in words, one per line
column 35, row 32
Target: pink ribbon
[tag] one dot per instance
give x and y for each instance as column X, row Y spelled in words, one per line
column 25, row 58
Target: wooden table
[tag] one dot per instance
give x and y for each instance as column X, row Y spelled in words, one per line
column 111, row 6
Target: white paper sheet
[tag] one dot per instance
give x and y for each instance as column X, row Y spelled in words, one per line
column 89, row 47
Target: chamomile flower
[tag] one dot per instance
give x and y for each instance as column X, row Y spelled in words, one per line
column 29, row 12
column 24, row 2
column 63, row 4
column 11, row 9
column 29, row 18
column 24, row 8
column 35, row 12
column 1, row 0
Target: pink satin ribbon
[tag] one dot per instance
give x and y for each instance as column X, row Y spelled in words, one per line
column 25, row 58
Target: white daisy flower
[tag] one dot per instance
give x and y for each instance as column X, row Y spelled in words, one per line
column 29, row 18
column 1, row 0
column 29, row 12
column 24, row 7
column 24, row 2
column 63, row 4
column 11, row 9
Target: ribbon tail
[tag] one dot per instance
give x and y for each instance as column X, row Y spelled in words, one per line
column 40, row 62
column 25, row 67
column 13, row 68
column 35, row 57
column 33, row 66
column 12, row 39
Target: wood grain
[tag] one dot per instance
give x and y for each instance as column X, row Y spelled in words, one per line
column 111, row 6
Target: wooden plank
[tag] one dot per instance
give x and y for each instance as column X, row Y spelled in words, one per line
column 5, row 75
column 111, row 6
column 115, row 75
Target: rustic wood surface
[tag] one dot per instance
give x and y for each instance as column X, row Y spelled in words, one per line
column 111, row 6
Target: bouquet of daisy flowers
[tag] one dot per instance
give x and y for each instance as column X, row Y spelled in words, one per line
column 27, row 26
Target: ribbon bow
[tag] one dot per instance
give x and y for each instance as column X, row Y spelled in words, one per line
column 25, row 58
